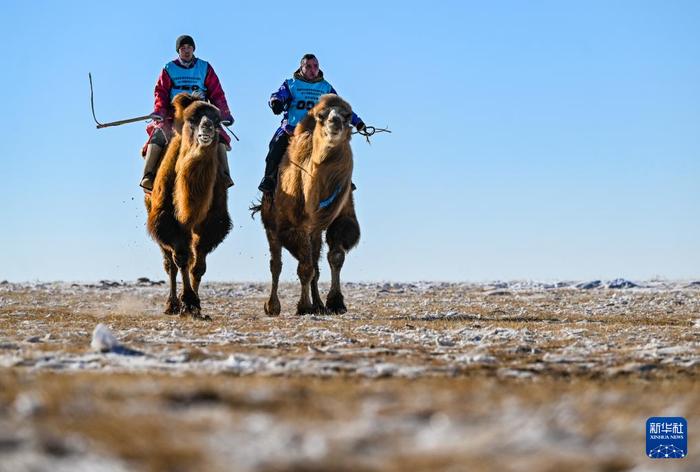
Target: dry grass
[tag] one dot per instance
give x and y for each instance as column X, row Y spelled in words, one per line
column 413, row 377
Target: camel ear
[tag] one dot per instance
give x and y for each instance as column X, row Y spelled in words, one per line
column 180, row 103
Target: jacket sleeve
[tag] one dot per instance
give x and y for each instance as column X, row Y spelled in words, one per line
column 216, row 94
column 355, row 119
column 162, row 106
column 282, row 94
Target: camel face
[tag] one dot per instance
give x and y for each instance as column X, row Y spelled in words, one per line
column 201, row 124
column 206, row 131
column 334, row 123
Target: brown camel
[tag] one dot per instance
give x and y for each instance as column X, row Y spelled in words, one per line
column 187, row 210
column 313, row 195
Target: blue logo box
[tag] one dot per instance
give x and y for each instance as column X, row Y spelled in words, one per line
column 667, row 437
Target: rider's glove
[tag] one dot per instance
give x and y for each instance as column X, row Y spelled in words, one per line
column 277, row 106
column 156, row 116
column 227, row 121
column 360, row 126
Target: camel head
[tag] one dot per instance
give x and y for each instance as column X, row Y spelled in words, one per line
column 332, row 115
column 197, row 121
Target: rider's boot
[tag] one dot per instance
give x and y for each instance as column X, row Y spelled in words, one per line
column 150, row 167
column 223, row 161
column 267, row 184
column 278, row 146
column 269, row 180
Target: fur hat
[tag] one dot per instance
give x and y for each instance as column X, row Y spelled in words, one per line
column 182, row 40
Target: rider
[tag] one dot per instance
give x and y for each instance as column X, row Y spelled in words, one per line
column 295, row 98
column 186, row 73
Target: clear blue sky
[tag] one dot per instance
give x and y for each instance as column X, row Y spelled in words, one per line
column 536, row 140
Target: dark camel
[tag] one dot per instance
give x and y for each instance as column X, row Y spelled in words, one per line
column 187, row 211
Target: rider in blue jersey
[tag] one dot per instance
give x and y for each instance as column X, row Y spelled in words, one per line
column 295, row 98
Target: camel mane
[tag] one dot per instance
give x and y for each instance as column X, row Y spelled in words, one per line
column 314, row 169
column 188, row 171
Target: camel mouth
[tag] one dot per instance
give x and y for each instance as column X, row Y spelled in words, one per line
column 335, row 126
column 334, row 133
column 205, row 139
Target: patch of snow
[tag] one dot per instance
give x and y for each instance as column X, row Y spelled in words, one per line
column 102, row 339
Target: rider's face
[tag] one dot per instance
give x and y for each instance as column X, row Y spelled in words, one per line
column 185, row 52
column 309, row 69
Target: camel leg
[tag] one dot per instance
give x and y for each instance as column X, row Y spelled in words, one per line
column 319, row 307
column 305, row 271
column 189, row 301
column 208, row 235
column 199, row 265
column 172, row 306
column 272, row 305
column 299, row 244
column 342, row 235
column 335, row 302
column 197, row 269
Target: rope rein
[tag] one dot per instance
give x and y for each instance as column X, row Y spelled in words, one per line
column 232, row 133
column 300, row 167
column 369, row 131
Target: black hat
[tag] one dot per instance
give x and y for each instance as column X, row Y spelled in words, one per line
column 182, row 40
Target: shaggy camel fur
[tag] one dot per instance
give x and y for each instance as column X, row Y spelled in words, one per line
column 187, row 210
column 313, row 195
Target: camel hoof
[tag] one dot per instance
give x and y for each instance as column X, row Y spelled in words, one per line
column 303, row 309
column 320, row 309
column 338, row 310
column 200, row 317
column 189, row 310
column 189, row 299
column 272, row 308
column 172, row 307
column 189, row 305
column 335, row 304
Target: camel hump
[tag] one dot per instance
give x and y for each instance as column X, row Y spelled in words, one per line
column 188, row 106
column 181, row 102
column 332, row 100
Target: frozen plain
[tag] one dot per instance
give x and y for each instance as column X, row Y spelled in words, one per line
column 416, row 376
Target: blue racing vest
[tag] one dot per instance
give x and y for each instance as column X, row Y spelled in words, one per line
column 187, row 80
column 304, row 96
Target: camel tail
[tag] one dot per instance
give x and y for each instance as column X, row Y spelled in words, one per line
column 255, row 208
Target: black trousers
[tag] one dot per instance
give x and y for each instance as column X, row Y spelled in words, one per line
column 278, row 146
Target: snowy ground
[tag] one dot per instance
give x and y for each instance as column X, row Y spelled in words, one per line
column 416, row 376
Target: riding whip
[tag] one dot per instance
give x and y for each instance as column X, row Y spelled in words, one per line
column 112, row 123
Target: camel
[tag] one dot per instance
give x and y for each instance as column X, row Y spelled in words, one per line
column 313, row 195
column 187, row 210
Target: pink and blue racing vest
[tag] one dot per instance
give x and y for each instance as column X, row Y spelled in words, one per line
column 188, row 80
